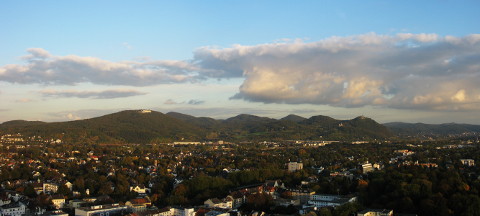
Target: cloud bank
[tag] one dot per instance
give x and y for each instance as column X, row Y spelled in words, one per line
column 45, row 68
column 414, row 71
column 189, row 102
column 405, row 71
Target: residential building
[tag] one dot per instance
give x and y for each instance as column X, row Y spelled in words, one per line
column 468, row 162
column 101, row 210
column 294, row 166
column 367, row 167
column 49, row 187
column 217, row 203
column 182, row 211
column 301, row 194
column 237, row 198
column 140, row 189
column 138, row 204
column 13, row 209
column 58, row 201
column 328, row 200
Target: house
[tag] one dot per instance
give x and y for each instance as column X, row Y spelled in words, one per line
column 49, row 187
column 58, row 201
column 4, row 199
column 366, row 167
column 69, row 185
column 294, row 166
column 375, row 212
column 237, row 198
column 182, row 211
column 13, row 209
column 270, row 187
column 468, row 162
column 138, row 204
column 217, row 203
column 101, row 210
column 140, row 189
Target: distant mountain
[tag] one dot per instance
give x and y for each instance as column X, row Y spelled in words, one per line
column 421, row 129
column 130, row 126
column 135, row 126
column 293, row 118
column 17, row 123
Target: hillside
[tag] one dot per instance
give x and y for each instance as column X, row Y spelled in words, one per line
column 125, row 127
column 421, row 129
column 134, row 126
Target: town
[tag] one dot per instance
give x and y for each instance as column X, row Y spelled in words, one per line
column 417, row 177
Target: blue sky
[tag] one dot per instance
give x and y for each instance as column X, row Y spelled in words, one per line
column 412, row 61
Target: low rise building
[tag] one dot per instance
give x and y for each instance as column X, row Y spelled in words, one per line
column 101, row 210
column 138, row 204
column 367, row 167
column 49, row 187
column 303, row 195
column 294, row 166
column 328, row 200
column 58, row 201
column 217, row 203
column 13, row 209
column 468, row 162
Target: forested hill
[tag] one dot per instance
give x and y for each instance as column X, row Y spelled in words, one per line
column 136, row 126
column 439, row 130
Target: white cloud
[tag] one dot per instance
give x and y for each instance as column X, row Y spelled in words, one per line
column 42, row 67
column 414, row 71
column 105, row 94
column 71, row 116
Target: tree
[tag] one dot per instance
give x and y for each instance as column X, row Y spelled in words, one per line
column 30, row 191
column 64, row 190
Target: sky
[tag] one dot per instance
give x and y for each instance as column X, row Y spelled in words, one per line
column 407, row 61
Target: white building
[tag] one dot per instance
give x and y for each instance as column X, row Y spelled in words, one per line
column 468, row 162
column 367, row 167
column 50, row 187
column 182, row 211
column 294, row 166
column 13, row 209
column 327, row 200
column 217, row 203
column 140, row 189
column 100, row 210
column 58, row 201
column 167, row 211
